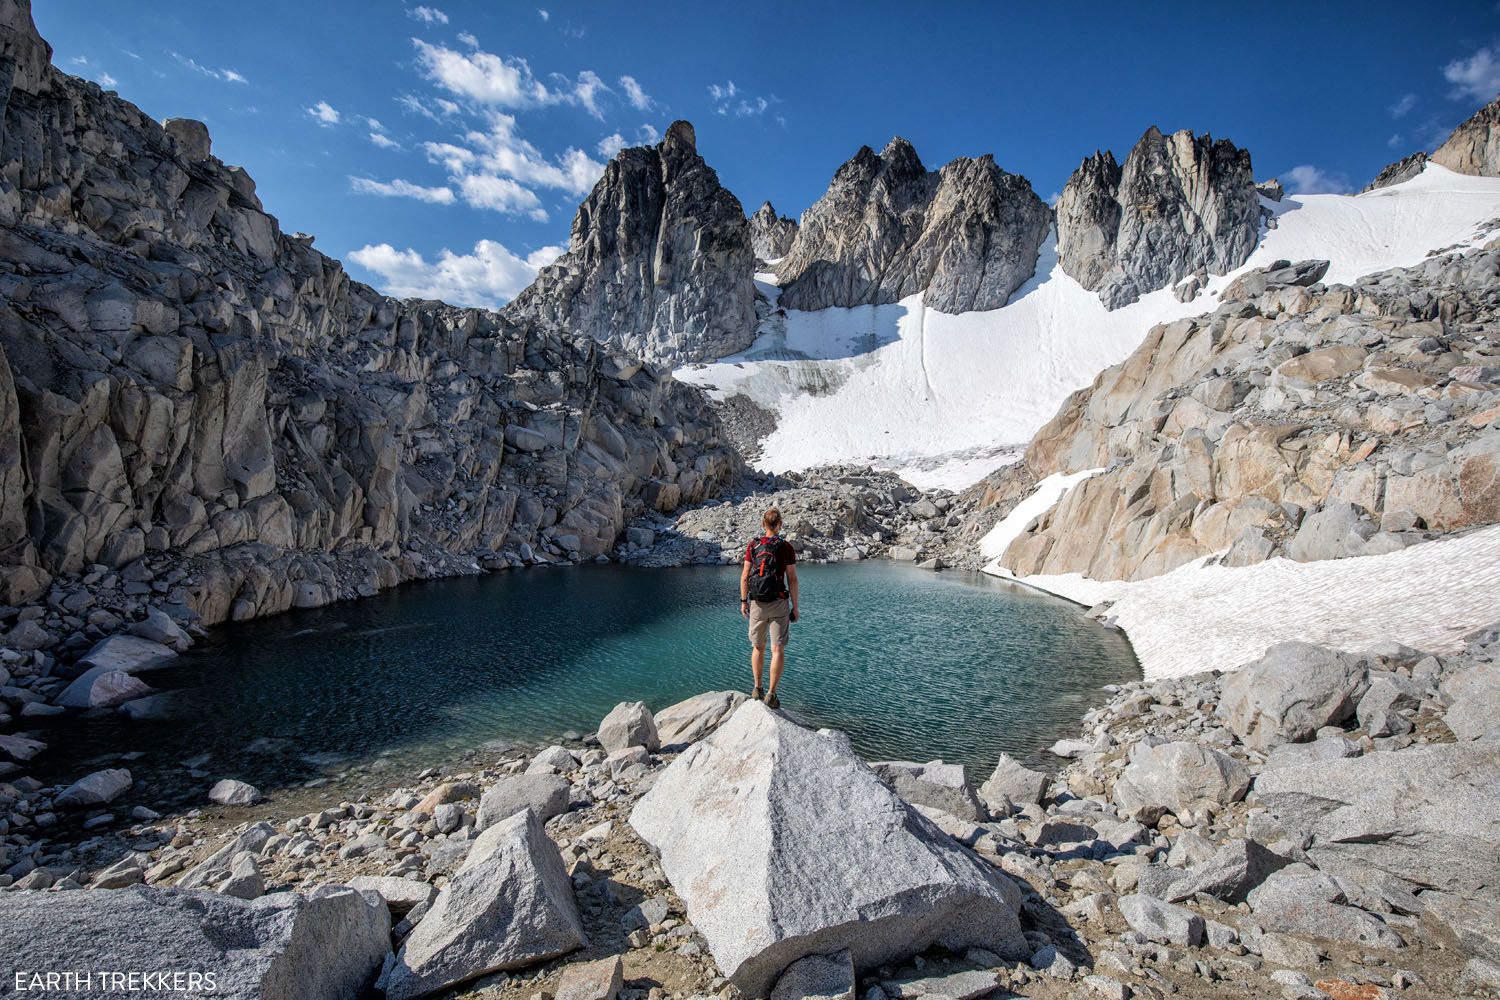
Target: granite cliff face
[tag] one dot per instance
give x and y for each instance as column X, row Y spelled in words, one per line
column 659, row 263
column 1473, row 148
column 771, row 235
column 1297, row 419
column 887, row 227
column 202, row 412
column 1179, row 205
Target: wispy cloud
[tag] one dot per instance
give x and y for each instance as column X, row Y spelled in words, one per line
column 1403, row 106
column 227, row 75
column 610, row 145
column 468, row 39
column 587, row 92
column 105, row 80
column 1308, row 179
column 323, row 113
column 488, row 277
column 730, row 101
column 637, row 97
column 427, row 15
column 543, row 14
column 399, row 188
column 1395, row 140
column 482, row 76
column 1476, row 77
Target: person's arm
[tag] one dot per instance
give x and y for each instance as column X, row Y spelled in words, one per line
column 745, row 589
column 791, row 584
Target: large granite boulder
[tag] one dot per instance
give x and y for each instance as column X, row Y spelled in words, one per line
column 546, row 795
column 1179, row 204
column 285, row 946
column 1290, row 693
column 1473, row 696
column 659, row 262
column 692, row 719
column 1012, row 784
column 629, row 724
column 1177, row 776
column 1299, row 900
column 934, row 784
column 888, row 227
column 96, row 789
column 771, row 235
column 770, row 873
column 510, row 905
column 217, row 865
column 1429, row 815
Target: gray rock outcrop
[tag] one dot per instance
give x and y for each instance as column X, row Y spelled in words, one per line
column 1179, row 204
column 771, row 235
column 659, row 263
column 546, row 795
column 967, row 235
column 694, row 718
column 1402, row 170
column 1178, row 775
column 1012, row 784
column 1290, row 693
column 510, row 905
column 1474, row 147
column 742, row 824
column 285, row 946
column 184, row 387
column 934, row 784
column 629, row 724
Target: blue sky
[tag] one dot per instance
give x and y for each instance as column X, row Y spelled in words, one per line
column 441, row 148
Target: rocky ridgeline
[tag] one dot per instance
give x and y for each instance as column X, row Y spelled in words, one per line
column 1473, row 148
column 204, row 416
column 1314, row 825
column 888, row 227
column 1296, row 419
column 829, row 514
column 659, row 263
column 771, row 235
column 1179, row 206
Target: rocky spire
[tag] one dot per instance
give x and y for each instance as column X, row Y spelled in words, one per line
column 771, row 235
column 1179, row 204
column 887, row 227
column 1473, row 148
column 659, row 261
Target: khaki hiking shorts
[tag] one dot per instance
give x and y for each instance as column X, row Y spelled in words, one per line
column 774, row 617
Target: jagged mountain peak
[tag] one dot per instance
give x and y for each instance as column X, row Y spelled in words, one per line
column 659, row 260
column 1179, row 204
column 771, row 235
column 967, row 235
column 1473, row 148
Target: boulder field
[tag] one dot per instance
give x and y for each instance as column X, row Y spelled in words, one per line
column 1314, row 824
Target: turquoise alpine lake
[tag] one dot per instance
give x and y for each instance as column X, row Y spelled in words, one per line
column 913, row 665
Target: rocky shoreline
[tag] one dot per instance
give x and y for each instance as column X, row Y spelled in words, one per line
column 1315, row 824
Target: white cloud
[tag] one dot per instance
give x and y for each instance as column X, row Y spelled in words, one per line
column 728, row 100
column 1403, row 105
column 543, row 14
column 1395, row 140
column 482, row 76
column 647, row 135
column 105, row 80
column 384, row 141
column 468, row 39
column 610, row 145
column 1308, row 179
column 216, row 74
column 79, row 60
column 436, row 108
column 489, row 277
column 501, row 152
column 637, row 97
column 502, row 194
column 1477, row 77
column 587, row 91
column 427, row 15
column 399, row 188
column 323, row 113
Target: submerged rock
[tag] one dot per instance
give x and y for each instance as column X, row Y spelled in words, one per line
column 743, row 825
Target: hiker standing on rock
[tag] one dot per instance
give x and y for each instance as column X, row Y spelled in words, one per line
column 768, row 597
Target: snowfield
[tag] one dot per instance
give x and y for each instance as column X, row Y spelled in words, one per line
column 1200, row 617
column 944, row 399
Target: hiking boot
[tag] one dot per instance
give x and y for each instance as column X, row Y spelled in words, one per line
column 772, row 701
column 757, row 694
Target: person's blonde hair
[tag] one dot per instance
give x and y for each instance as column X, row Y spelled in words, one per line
column 771, row 519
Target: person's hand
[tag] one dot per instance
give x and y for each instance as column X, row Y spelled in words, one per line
column 795, row 616
column 744, row 609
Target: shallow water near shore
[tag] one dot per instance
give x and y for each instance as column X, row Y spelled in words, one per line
column 913, row 665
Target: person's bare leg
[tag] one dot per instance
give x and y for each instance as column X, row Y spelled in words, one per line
column 778, row 660
column 757, row 660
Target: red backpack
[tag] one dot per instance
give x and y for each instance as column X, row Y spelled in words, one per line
column 767, row 574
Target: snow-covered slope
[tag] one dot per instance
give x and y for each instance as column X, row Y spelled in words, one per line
column 943, row 399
